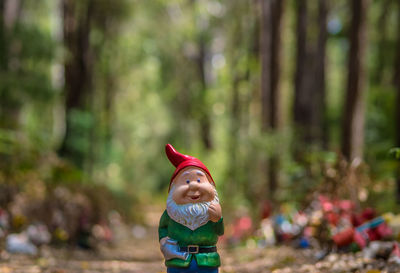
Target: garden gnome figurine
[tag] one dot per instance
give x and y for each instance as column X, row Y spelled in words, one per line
column 190, row 226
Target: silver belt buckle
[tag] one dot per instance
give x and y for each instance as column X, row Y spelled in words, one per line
column 190, row 247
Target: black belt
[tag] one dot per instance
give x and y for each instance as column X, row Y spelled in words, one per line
column 193, row 249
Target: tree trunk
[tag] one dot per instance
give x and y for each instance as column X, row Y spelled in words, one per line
column 396, row 75
column 397, row 85
column 265, row 56
column 353, row 120
column 205, row 123
column 319, row 114
column 382, row 41
column 309, row 94
column 270, row 50
column 397, row 120
column 301, row 107
column 10, row 109
column 275, row 99
column 12, row 11
column 276, row 63
column 78, row 75
column 3, row 67
column 3, row 47
column 204, row 115
column 108, row 112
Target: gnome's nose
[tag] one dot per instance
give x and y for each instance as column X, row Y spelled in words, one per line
column 193, row 186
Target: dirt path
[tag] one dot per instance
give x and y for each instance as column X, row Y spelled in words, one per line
column 139, row 255
column 134, row 256
column 142, row 255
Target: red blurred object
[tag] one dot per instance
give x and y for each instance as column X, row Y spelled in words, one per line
column 368, row 214
column 346, row 205
column 242, row 227
column 308, row 231
column 384, row 231
column 333, row 218
column 344, row 237
column 373, row 235
column 380, row 232
column 327, row 206
column 359, row 219
column 266, row 210
column 361, row 239
column 396, row 250
column 286, row 237
column 356, row 220
column 245, row 223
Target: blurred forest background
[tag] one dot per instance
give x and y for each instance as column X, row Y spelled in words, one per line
column 279, row 98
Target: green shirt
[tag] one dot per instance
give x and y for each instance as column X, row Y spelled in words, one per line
column 206, row 235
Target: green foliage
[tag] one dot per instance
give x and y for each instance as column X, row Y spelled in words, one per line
column 7, row 139
column 395, row 152
column 147, row 88
column 31, row 53
column 81, row 122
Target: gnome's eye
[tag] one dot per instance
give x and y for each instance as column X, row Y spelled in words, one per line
column 188, row 181
column 198, row 180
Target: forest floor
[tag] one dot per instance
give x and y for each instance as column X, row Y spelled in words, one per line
column 133, row 255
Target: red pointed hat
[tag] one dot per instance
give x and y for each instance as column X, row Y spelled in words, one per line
column 181, row 161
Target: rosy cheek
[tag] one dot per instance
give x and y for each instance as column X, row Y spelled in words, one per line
column 179, row 193
column 206, row 195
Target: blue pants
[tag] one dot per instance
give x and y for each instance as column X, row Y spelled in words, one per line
column 193, row 268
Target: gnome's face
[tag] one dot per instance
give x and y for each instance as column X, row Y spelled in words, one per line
column 192, row 185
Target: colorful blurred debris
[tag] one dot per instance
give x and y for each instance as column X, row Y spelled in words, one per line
column 19, row 243
column 334, row 226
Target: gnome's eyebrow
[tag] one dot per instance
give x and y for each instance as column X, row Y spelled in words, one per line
column 200, row 173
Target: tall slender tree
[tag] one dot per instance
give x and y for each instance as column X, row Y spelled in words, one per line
column 200, row 63
column 309, row 94
column 10, row 12
column 4, row 109
column 205, row 122
column 301, row 106
column 265, row 57
column 10, row 107
column 266, row 92
column 277, row 9
column 78, row 72
column 377, row 76
column 3, row 62
column 397, row 86
column 396, row 74
column 270, row 51
column 320, row 124
column 353, row 119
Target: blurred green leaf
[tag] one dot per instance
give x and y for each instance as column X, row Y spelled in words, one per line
column 395, row 152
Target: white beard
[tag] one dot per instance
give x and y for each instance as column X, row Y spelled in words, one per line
column 191, row 215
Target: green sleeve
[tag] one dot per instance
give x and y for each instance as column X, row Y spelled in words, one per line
column 219, row 227
column 163, row 226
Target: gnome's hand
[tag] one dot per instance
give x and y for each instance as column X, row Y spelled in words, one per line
column 215, row 212
column 163, row 240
